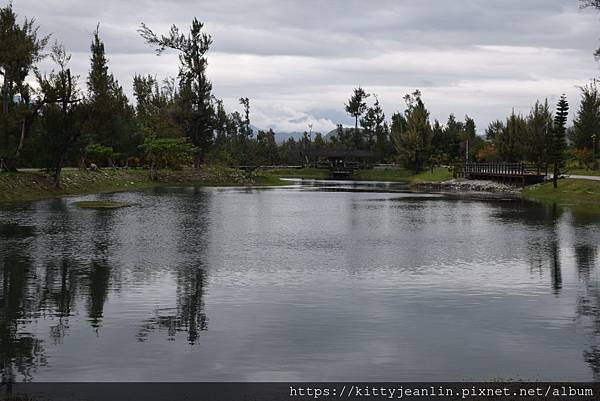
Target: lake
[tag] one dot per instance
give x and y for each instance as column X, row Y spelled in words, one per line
column 313, row 281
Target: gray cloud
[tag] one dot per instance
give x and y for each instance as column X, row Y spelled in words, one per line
column 299, row 60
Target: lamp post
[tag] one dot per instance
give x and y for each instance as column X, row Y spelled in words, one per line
column 594, row 162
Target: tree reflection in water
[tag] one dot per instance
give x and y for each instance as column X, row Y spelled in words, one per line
column 188, row 316
column 588, row 303
column 20, row 353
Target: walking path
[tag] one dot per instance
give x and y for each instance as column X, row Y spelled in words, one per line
column 584, row 177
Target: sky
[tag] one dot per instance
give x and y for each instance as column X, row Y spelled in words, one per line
column 298, row 61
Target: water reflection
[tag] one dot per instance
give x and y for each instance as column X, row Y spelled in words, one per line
column 298, row 283
column 20, row 352
column 188, row 316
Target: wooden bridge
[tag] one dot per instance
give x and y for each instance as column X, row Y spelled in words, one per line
column 512, row 173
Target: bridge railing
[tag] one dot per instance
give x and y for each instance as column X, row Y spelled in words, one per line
column 502, row 169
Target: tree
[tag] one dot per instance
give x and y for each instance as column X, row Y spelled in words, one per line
column 246, row 128
column 99, row 154
column 164, row 152
column 61, row 113
column 109, row 116
column 156, row 108
column 267, row 148
column 558, row 142
column 196, row 110
column 450, row 142
column 356, row 107
column 20, row 49
column 373, row 124
column 494, row 130
column 412, row 133
column 509, row 140
column 539, row 128
column 596, row 5
column 587, row 120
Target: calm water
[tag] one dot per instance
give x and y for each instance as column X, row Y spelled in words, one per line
column 307, row 282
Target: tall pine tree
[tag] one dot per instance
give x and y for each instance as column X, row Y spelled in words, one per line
column 20, row 49
column 196, row 109
column 587, row 120
column 356, row 107
column 558, row 142
column 109, row 116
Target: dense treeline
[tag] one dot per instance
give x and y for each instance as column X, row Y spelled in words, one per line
column 57, row 119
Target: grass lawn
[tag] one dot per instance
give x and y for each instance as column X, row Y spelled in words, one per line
column 579, row 194
column 399, row 175
column 382, row 175
column 309, row 173
column 32, row 185
column 582, row 172
column 439, row 174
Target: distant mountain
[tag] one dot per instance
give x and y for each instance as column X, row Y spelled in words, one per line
column 333, row 133
column 281, row 137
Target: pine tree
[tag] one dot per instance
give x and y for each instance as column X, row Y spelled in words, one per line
column 109, row 120
column 61, row 113
column 412, row 133
column 558, row 143
column 539, row 130
column 587, row 120
column 509, row 140
column 196, row 109
column 356, row 107
column 20, row 49
column 372, row 123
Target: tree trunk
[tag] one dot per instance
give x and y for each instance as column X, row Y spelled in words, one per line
column 153, row 170
column 197, row 159
column 21, row 140
column 555, row 176
column 57, row 174
column 7, row 165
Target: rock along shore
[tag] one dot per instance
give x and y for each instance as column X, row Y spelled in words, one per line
column 462, row 185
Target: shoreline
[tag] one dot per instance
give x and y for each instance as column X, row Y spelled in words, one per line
column 462, row 185
column 30, row 186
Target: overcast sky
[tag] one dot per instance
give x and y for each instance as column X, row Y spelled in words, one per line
column 299, row 60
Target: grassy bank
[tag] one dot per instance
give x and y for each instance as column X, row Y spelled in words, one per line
column 29, row 186
column 578, row 194
column 439, row 174
column 583, row 172
column 308, row 173
column 399, row 175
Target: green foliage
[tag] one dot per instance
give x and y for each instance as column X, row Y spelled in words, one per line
column 584, row 194
column 62, row 112
column 109, row 118
column 99, row 154
column 266, row 152
column 558, row 142
column 163, row 152
column 156, row 109
column 376, row 129
column 412, row 133
column 20, row 49
column 538, row 132
column 356, row 107
column 509, row 140
column 195, row 107
column 587, row 120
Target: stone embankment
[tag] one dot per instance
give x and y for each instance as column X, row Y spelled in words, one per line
column 461, row 185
